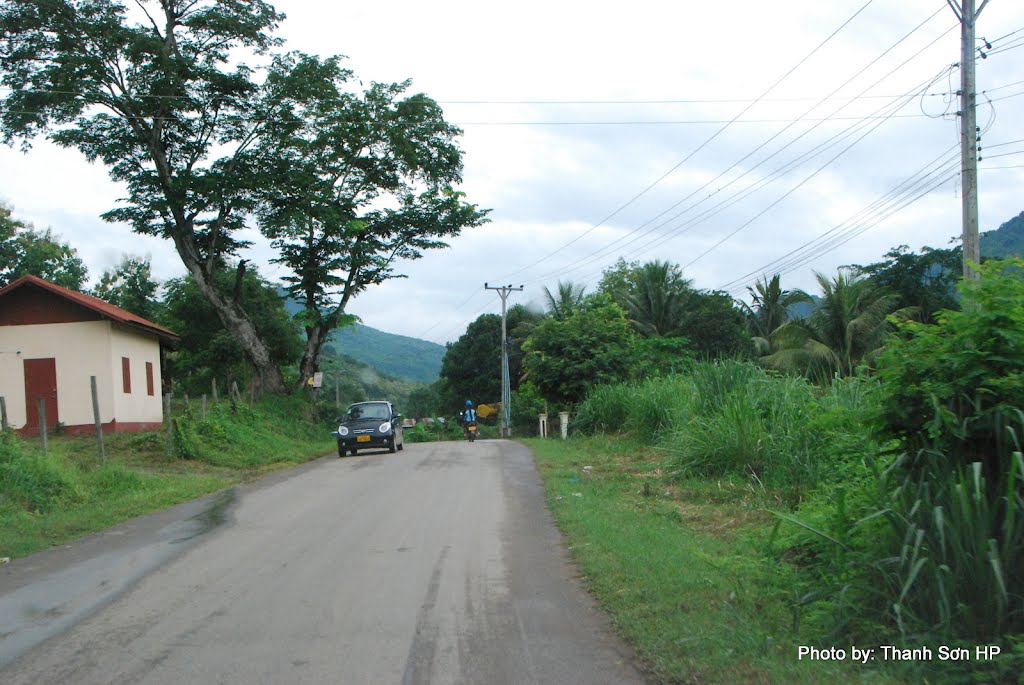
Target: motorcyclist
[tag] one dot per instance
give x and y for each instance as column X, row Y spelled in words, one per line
column 468, row 416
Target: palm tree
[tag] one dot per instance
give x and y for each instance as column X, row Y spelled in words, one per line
column 847, row 328
column 655, row 305
column 568, row 299
column 769, row 309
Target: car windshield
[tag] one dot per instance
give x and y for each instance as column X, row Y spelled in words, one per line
column 368, row 411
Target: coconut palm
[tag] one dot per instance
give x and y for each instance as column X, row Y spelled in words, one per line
column 568, row 298
column 768, row 309
column 847, row 327
column 655, row 304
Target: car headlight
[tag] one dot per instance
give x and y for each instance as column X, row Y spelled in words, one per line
column 385, row 427
column 342, row 430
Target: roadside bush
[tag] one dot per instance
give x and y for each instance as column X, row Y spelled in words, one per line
column 930, row 546
column 37, row 482
column 952, row 389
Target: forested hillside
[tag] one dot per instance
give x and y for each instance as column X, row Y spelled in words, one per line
column 396, row 355
column 1005, row 241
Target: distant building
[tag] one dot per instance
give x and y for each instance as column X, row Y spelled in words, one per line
column 53, row 339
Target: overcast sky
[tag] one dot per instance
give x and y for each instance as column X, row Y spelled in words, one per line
column 676, row 131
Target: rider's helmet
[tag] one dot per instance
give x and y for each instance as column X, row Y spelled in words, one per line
column 469, row 403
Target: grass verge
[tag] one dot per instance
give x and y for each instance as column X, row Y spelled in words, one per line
column 682, row 567
column 51, row 498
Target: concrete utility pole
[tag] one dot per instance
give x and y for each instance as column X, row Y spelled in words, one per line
column 968, row 16
column 506, row 388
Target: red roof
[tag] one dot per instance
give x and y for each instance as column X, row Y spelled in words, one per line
column 104, row 309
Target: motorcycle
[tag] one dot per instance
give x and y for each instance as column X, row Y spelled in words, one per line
column 471, row 431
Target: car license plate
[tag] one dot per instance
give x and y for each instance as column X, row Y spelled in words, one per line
column 362, row 438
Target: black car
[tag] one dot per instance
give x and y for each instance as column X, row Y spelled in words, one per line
column 369, row 424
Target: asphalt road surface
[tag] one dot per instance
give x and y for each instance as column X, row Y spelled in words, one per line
column 437, row 564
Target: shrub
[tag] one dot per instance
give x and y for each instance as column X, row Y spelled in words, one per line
column 36, row 482
column 951, row 389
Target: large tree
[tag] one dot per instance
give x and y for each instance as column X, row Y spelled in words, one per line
column 353, row 182
column 130, row 286
column 926, row 281
column 769, row 308
column 207, row 350
column 568, row 296
column 593, row 345
column 847, row 328
column 152, row 93
column 471, row 368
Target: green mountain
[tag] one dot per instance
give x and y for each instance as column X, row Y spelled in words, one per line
column 394, row 355
column 347, row 380
column 1005, row 241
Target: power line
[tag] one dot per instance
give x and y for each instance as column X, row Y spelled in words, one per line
column 698, row 149
column 839, row 234
column 778, row 173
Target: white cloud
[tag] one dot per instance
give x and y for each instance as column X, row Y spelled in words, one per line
column 551, row 184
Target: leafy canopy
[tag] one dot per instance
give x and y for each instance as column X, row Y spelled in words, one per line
column 592, row 346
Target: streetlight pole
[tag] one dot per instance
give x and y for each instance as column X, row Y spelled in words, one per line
column 506, row 389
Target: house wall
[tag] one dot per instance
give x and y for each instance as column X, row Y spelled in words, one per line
column 83, row 349
column 138, row 405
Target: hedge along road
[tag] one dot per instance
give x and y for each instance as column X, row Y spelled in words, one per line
column 437, row 564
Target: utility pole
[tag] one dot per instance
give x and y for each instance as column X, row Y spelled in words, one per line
column 968, row 16
column 506, row 388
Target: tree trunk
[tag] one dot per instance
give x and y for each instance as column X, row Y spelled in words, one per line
column 316, row 336
column 235, row 320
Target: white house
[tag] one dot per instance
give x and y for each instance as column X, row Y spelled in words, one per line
column 52, row 340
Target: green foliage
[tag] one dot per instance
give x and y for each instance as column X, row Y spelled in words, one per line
column 149, row 119
column 661, row 356
column 527, row 405
column 654, row 298
column 37, row 482
column 342, row 203
column 207, row 349
column 715, row 326
column 131, row 287
column 925, row 282
column 1005, row 241
column 952, row 389
column 471, row 366
column 395, row 355
column 734, row 418
column 769, row 308
column 27, row 251
column 845, row 330
column 567, row 298
column 592, row 346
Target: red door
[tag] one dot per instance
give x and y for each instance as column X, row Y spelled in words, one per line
column 40, row 381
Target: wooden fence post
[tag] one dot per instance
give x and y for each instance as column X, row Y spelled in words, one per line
column 96, row 418
column 3, row 414
column 202, row 412
column 213, row 383
column 169, row 440
column 41, row 404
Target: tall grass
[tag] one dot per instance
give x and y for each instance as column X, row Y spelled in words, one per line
column 732, row 417
column 956, row 552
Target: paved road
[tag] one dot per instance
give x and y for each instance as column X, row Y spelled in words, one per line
column 438, row 564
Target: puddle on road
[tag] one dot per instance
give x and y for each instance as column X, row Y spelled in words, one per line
column 214, row 515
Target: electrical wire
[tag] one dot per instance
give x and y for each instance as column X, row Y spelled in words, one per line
column 619, row 243
column 693, row 152
column 925, row 177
